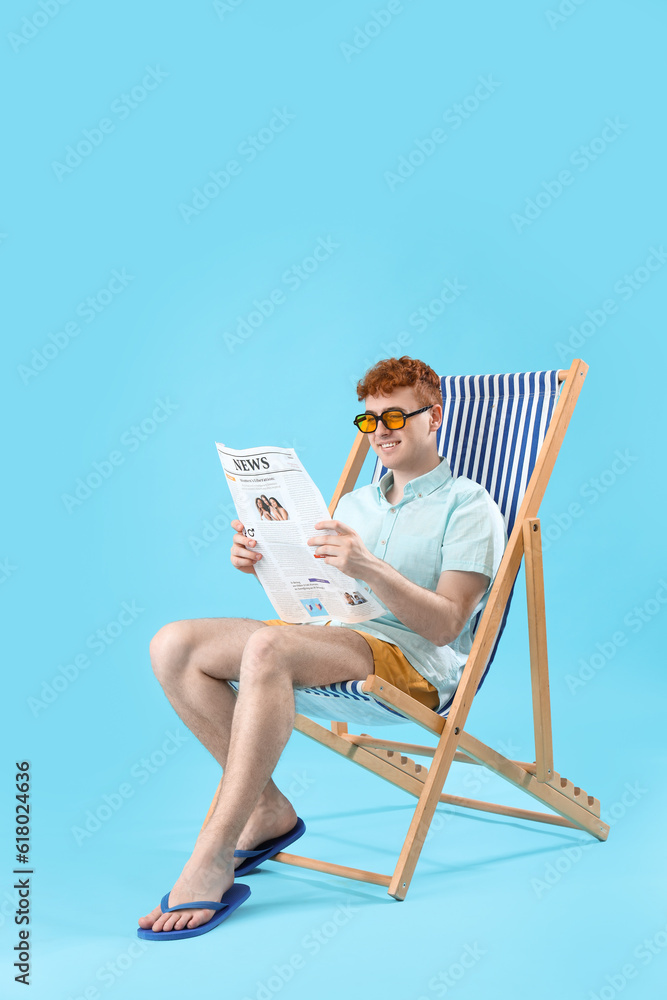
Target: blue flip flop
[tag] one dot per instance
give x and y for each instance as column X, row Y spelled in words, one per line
column 234, row 896
column 268, row 849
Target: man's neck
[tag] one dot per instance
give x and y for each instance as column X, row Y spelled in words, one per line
column 403, row 476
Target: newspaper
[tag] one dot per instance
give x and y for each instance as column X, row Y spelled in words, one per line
column 279, row 505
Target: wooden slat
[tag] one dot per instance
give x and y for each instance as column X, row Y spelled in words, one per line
column 330, row 869
column 358, row 755
column 575, row 793
column 351, row 469
column 516, row 813
column 364, row 740
column 537, row 635
column 346, row 484
column 400, row 761
column 395, row 698
column 542, row 791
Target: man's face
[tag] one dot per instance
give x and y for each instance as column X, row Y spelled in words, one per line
column 411, row 444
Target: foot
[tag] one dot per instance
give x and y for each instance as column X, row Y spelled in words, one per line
column 204, row 877
column 269, row 819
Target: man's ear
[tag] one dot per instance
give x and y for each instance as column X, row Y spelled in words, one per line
column 436, row 416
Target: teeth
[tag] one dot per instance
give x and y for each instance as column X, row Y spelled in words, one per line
column 391, row 444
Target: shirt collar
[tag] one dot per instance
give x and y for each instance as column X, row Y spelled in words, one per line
column 421, row 486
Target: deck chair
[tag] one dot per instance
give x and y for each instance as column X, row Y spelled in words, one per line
column 503, row 431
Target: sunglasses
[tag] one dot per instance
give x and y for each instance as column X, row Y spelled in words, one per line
column 392, row 419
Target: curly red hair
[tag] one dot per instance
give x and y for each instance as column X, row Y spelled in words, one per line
column 395, row 373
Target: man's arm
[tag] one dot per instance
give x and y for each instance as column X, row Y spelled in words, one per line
column 438, row 616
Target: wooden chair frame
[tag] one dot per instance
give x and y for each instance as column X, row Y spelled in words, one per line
column 572, row 807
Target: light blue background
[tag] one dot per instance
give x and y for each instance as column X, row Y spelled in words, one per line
column 481, row 881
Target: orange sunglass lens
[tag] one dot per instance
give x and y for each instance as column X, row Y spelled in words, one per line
column 366, row 424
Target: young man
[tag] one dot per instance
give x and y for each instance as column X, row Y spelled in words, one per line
column 427, row 547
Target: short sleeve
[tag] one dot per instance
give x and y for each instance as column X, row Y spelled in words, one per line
column 339, row 510
column 475, row 536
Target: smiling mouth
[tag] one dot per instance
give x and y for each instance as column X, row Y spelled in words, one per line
column 388, row 445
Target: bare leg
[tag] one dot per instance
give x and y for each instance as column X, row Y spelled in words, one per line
column 274, row 661
column 193, row 659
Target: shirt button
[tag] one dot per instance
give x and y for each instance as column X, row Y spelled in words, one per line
column 419, row 494
column 392, row 511
column 383, row 542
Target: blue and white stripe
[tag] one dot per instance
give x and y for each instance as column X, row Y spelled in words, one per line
column 492, row 428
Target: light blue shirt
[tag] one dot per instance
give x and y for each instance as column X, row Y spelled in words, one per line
column 440, row 523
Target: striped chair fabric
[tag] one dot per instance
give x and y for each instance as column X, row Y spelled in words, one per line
column 492, row 430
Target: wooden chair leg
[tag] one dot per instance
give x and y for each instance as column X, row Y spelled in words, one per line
column 423, row 814
column 537, row 635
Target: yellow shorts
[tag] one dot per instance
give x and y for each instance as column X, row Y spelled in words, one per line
column 391, row 664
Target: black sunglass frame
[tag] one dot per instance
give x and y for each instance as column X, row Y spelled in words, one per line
column 392, row 409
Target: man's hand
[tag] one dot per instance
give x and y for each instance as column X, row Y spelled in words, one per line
column 242, row 555
column 345, row 550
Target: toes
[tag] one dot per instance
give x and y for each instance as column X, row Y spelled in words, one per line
column 150, row 918
column 179, row 920
column 195, row 918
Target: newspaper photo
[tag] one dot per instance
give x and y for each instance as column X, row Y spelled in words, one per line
column 279, row 505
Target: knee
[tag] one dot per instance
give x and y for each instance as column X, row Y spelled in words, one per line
column 267, row 653
column 170, row 650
